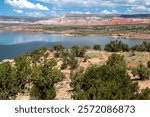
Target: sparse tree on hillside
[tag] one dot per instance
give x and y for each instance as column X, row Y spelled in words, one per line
column 142, row 72
column 23, row 71
column 141, row 48
column 148, row 64
column 58, row 48
column 76, row 51
column 107, row 82
column 73, row 62
column 44, row 77
column 97, row 47
column 116, row 46
column 8, row 82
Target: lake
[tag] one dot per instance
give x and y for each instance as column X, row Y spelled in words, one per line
column 15, row 43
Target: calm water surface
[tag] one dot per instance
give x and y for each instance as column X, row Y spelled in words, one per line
column 13, row 43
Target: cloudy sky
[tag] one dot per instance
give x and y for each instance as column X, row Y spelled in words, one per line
column 46, row 8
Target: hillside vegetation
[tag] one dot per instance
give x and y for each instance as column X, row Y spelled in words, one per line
column 79, row 73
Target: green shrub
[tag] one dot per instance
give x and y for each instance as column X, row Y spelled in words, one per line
column 73, row 62
column 148, row 64
column 8, row 82
column 76, row 51
column 143, row 47
column 64, row 64
column 107, row 82
column 23, row 71
column 116, row 46
column 37, row 54
column 58, row 47
column 142, row 72
column 44, row 78
column 97, row 47
column 87, row 47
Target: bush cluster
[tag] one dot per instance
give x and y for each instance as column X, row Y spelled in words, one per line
column 143, row 47
column 14, row 79
column 116, row 46
column 97, row 47
column 142, row 72
column 107, row 82
column 44, row 78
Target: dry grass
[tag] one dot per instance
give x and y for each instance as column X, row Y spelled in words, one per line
column 132, row 61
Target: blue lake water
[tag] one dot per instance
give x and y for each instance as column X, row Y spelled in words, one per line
column 14, row 43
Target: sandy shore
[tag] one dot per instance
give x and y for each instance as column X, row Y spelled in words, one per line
column 132, row 36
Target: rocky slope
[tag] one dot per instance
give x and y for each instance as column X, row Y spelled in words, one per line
column 90, row 19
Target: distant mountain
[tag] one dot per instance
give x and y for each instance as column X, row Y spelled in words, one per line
column 21, row 19
column 80, row 19
column 72, row 16
column 86, row 16
column 136, row 16
column 107, row 16
column 73, row 19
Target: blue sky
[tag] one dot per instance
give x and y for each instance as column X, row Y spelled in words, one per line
column 46, row 8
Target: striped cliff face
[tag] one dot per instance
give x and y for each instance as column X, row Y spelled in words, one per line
column 91, row 19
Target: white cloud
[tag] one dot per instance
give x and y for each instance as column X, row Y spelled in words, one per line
column 18, row 11
column 25, row 4
column 109, row 12
column 114, row 11
column 79, row 12
column 105, row 12
column 132, row 5
column 34, row 14
column 59, row 6
column 54, row 13
column 130, row 2
column 82, row 3
column 98, row 2
column 139, row 9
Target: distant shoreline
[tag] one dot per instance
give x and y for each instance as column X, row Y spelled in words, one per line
column 117, row 36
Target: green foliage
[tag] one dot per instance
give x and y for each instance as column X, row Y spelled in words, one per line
column 14, row 79
column 116, row 59
column 64, row 64
column 65, row 54
column 8, row 82
column 107, row 82
column 97, row 47
column 86, row 47
column 77, row 51
column 110, row 81
column 143, row 47
column 69, row 60
column 53, row 62
column 148, row 64
column 23, row 71
column 144, row 95
column 142, row 72
column 85, row 59
column 116, row 46
column 44, row 77
column 58, row 48
column 37, row 54
column 73, row 62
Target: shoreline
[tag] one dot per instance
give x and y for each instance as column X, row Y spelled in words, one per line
column 115, row 35
column 132, row 36
column 134, row 31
